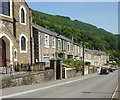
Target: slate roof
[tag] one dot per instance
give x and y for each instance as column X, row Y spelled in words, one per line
column 95, row 52
column 89, row 51
column 42, row 29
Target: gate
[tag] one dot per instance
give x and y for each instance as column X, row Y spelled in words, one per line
column 58, row 69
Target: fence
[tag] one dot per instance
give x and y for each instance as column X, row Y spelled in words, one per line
column 23, row 68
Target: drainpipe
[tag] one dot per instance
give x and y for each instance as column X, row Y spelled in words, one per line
column 57, row 45
column 14, row 20
column 31, row 51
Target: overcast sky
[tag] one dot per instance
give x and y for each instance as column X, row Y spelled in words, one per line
column 101, row 14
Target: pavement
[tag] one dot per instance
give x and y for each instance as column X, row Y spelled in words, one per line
column 89, row 86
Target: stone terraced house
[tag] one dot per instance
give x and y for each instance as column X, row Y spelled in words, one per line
column 44, row 44
column 97, row 58
column 15, row 33
column 48, row 45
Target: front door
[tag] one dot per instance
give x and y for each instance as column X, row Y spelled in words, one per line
column 2, row 53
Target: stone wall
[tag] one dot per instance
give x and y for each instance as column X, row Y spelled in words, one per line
column 69, row 72
column 27, row 79
column 73, row 73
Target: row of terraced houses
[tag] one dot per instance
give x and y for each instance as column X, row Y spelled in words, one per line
column 25, row 42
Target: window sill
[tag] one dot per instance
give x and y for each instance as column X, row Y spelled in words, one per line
column 5, row 15
column 22, row 51
column 15, row 60
column 22, row 23
column 53, row 47
column 46, row 47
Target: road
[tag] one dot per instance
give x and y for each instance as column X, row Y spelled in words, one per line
column 90, row 86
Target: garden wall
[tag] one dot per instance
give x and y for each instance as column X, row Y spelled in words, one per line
column 27, row 79
column 70, row 72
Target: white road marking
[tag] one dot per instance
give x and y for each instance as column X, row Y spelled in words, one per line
column 114, row 92
column 30, row 91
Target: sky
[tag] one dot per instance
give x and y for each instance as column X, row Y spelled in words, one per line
column 101, row 14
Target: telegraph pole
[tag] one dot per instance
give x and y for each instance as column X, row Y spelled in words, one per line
column 83, row 56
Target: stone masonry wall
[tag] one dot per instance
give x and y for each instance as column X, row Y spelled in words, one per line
column 22, row 29
column 28, row 79
column 45, row 50
column 68, row 73
column 73, row 73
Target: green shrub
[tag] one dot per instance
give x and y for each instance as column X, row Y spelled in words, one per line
column 74, row 64
column 114, row 63
column 93, row 66
column 18, row 66
column 68, row 61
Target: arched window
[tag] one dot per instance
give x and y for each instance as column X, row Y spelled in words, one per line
column 23, row 43
column 22, row 16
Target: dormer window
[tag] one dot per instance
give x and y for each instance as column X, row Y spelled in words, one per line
column 5, row 7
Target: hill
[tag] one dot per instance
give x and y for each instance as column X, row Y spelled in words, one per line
column 93, row 36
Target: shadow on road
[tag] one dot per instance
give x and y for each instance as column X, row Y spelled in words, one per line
column 98, row 92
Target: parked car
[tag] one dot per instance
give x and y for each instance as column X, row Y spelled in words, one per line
column 110, row 69
column 104, row 70
column 116, row 68
column 113, row 69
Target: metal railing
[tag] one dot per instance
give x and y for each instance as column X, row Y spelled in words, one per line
column 22, row 69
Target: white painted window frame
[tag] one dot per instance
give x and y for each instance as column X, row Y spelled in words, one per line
column 20, row 14
column 47, row 44
column 68, row 44
column 23, row 51
column 53, row 40
column 10, row 11
column 59, row 44
column 46, row 56
column 63, row 44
